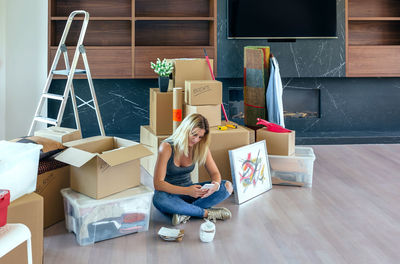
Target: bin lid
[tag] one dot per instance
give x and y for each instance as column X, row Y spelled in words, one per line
column 14, row 150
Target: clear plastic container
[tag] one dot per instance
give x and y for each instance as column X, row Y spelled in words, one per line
column 297, row 168
column 19, row 167
column 119, row 214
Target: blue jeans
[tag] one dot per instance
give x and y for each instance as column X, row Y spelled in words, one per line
column 169, row 203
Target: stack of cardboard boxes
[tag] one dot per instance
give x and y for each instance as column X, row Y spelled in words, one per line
column 54, row 175
column 290, row 165
column 105, row 193
column 202, row 95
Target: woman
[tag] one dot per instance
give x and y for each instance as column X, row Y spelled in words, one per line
column 174, row 191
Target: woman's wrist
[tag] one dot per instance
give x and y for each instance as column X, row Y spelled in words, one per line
column 217, row 183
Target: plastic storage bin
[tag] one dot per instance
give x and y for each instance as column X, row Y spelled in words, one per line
column 298, row 168
column 95, row 220
column 19, row 167
column 4, row 203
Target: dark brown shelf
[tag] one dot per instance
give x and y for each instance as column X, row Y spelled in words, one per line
column 373, row 8
column 172, row 33
column 98, row 8
column 98, row 33
column 174, row 18
column 93, row 18
column 374, row 32
column 374, row 18
column 96, row 47
column 174, row 8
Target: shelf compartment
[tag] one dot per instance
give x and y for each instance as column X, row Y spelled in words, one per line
column 104, row 62
column 100, row 8
column 374, row 8
column 373, row 61
column 174, row 8
column 144, row 55
column 98, row 33
column 374, row 33
column 173, row 33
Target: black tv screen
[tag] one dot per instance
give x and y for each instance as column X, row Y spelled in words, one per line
column 281, row 19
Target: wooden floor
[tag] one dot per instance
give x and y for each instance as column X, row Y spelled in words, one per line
column 350, row 215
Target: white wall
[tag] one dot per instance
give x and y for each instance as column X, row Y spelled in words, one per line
column 2, row 69
column 25, row 51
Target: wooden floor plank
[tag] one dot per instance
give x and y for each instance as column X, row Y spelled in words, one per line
column 350, row 215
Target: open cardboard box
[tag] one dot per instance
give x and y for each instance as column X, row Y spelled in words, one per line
column 103, row 165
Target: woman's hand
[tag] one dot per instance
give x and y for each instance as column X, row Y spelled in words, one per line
column 195, row 191
column 211, row 190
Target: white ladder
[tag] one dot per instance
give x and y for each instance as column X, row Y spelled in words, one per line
column 70, row 72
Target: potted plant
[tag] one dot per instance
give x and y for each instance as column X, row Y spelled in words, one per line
column 163, row 69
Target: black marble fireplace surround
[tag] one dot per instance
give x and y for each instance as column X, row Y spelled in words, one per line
column 348, row 110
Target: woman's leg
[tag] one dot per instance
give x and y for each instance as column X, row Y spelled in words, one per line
column 225, row 190
column 174, row 204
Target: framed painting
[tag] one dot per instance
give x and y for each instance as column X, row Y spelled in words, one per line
column 250, row 171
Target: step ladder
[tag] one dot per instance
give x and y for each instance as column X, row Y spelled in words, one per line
column 70, row 72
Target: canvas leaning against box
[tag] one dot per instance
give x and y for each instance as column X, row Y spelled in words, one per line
column 250, row 171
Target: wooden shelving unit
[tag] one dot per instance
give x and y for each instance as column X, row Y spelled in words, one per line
column 123, row 36
column 180, row 29
column 372, row 38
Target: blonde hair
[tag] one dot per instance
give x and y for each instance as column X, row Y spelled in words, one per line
column 180, row 138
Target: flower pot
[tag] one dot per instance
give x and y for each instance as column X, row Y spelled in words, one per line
column 163, row 83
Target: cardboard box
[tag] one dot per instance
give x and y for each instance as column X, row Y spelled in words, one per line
column 203, row 92
column 252, row 134
column 103, row 165
column 48, row 186
column 277, row 143
column 211, row 112
column 161, row 112
column 152, row 142
column 190, row 69
column 59, row 134
column 221, row 143
column 27, row 210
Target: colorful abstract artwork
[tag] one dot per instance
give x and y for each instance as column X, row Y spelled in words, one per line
column 250, row 171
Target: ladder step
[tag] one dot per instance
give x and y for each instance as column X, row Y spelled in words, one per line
column 54, row 96
column 66, row 72
column 47, row 120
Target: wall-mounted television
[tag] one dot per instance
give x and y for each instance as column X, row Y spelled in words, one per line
column 281, row 19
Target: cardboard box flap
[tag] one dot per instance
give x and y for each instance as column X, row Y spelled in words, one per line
column 75, row 157
column 123, row 155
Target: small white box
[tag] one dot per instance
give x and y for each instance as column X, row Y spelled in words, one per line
column 297, row 168
column 19, row 167
column 119, row 214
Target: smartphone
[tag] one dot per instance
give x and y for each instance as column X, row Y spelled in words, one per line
column 207, row 186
